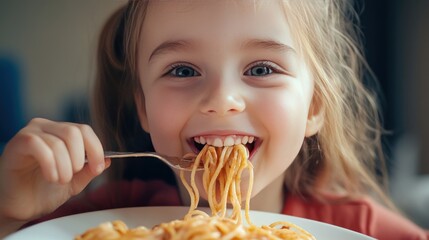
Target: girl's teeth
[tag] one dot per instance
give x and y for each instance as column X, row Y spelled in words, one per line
column 217, row 142
column 229, row 141
column 224, row 141
column 244, row 140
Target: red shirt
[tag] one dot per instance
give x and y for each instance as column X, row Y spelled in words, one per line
column 363, row 215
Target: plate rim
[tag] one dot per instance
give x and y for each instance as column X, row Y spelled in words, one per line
column 183, row 209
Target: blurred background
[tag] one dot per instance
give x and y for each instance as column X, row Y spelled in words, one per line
column 47, row 60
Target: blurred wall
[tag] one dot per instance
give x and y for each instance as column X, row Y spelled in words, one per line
column 396, row 37
column 408, row 85
column 54, row 43
column 412, row 73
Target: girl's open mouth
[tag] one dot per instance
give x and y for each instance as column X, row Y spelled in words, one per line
column 250, row 142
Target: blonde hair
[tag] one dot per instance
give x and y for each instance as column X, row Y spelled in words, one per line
column 345, row 155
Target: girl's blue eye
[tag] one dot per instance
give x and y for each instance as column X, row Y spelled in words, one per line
column 259, row 70
column 183, row 72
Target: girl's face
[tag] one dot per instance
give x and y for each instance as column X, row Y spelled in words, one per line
column 224, row 72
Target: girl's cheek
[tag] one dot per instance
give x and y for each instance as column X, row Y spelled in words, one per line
column 285, row 118
column 166, row 118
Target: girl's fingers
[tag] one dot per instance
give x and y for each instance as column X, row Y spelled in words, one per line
column 61, row 156
column 37, row 148
column 80, row 140
column 93, row 149
column 64, row 148
column 82, row 178
column 72, row 137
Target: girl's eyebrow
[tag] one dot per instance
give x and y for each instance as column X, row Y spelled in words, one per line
column 268, row 44
column 168, row 46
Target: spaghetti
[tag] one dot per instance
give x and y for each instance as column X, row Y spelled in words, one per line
column 223, row 167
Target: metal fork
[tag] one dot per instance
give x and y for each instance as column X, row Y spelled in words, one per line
column 181, row 163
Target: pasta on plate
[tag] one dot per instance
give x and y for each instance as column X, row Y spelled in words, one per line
column 223, row 167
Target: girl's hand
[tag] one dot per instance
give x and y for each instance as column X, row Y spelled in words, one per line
column 43, row 165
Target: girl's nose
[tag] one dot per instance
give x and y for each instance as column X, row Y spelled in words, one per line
column 223, row 99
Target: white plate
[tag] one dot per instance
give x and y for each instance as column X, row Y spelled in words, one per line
column 70, row 226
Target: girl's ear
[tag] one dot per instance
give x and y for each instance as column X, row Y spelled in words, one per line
column 141, row 110
column 315, row 118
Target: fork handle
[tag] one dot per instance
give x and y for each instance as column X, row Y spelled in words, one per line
column 112, row 154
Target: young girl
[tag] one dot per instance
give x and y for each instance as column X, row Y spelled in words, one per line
column 281, row 77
